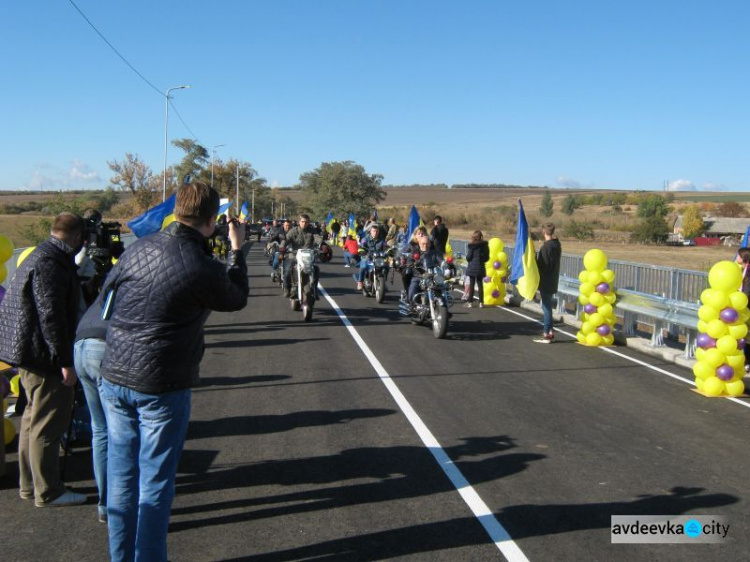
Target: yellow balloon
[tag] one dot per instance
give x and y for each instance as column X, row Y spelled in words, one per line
column 699, row 383
column 593, row 339
column 713, row 386
column 610, row 298
column 736, row 361
column 738, row 331
column 503, row 272
column 6, row 248
column 706, row 295
column 597, row 299
column 703, row 370
column 23, row 255
column 609, row 339
column 586, row 288
column 605, row 310
column 594, row 277
column 707, row 313
column 595, row 260
column 502, row 257
column 581, row 337
column 15, row 385
column 583, row 277
column 725, row 276
column 596, row 319
column 495, row 245
column 583, row 299
column 608, row 275
column 587, row 328
column 744, row 315
column 718, row 299
column 702, row 326
column 716, row 329
column 3, row 272
column 10, row 430
column 735, row 388
column 738, row 300
column 699, row 353
column 713, row 357
column 727, row 345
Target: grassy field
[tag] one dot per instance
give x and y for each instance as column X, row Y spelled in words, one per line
column 465, row 210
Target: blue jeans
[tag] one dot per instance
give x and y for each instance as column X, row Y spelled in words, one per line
column 88, row 355
column 146, row 435
column 364, row 267
column 547, row 299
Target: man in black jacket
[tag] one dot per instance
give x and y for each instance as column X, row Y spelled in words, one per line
column 38, row 319
column 164, row 286
column 548, row 262
column 301, row 236
column 439, row 236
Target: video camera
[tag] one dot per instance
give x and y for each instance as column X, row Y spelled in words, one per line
column 102, row 242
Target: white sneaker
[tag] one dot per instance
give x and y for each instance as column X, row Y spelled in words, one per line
column 67, row 498
column 347, row 265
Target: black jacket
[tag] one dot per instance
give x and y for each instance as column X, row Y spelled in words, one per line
column 39, row 313
column 439, row 237
column 298, row 237
column 477, row 255
column 165, row 287
column 548, row 262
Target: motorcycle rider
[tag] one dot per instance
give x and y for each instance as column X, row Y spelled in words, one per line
column 301, row 236
column 372, row 243
column 277, row 237
column 420, row 255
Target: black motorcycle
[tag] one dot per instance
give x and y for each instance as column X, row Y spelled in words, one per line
column 373, row 281
column 304, row 291
column 431, row 303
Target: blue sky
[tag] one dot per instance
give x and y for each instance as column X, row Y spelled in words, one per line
column 618, row 95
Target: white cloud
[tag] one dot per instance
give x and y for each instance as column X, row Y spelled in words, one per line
column 681, row 185
column 564, row 181
column 710, row 186
column 80, row 171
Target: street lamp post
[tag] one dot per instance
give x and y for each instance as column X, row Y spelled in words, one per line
column 166, row 139
column 213, row 153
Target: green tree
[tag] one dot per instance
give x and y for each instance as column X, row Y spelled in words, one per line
column 692, row 222
column 579, row 230
column 133, row 175
column 195, row 163
column 341, row 187
column 38, row 232
column 569, row 205
column 651, row 229
column 732, row 209
column 547, row 205
column 653, row 205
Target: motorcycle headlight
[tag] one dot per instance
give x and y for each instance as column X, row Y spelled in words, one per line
column 439, row 279
column 379, row 262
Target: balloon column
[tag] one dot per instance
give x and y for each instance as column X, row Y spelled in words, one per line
column 6, row 252
column 720, row 356
column 495, row 272
column 597, row 296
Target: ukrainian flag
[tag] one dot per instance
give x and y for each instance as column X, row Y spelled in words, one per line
column 524, row 272
column 353, row 225
column 223, row 209
column 414, row 221
column 244, row 213
column 154, row 219
column 329, row 218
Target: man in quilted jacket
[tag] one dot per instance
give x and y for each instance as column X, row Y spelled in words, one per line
column 38, row 318
column 163, row 288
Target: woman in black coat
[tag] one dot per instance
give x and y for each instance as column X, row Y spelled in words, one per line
column 477, row 255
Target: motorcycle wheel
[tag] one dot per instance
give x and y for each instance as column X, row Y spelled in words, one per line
column 379, row 290
column 440, row 321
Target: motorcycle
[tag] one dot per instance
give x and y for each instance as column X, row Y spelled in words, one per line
column 304, row 291
column 431, row 303
column 373, row 282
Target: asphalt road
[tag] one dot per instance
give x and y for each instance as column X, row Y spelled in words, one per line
column 298, row 449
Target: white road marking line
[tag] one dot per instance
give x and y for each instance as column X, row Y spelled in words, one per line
column 638, row 361
column 494, row 528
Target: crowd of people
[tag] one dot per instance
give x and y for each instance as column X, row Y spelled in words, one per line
column 136, row 349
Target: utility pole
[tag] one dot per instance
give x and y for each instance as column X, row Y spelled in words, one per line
column 238, row 189
column 252, row 207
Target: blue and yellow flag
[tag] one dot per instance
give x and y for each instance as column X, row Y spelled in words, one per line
column 329, row 218
column 154, row 219
column 224, row 208
column 352, row 225
column 414, row 221
column 524, row 272
column 244, row 213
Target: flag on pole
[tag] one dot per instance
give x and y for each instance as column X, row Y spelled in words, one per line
column 746, row 238
column 244, row 213
column 524, row 272
column 414, row 221
column 352, row 225
column 154, row 219
column 223, row 208
column 329, row 218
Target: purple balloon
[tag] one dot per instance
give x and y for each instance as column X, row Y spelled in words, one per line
column 741, row 343
column 2, row 292
column 590, row 309
column 4, row 387
column 495, row 294
column 603, row 288
column 729, row 315
column 705, row 341
column 496, row 265
column 487, row 279
column 725, row 372
column 603, row 330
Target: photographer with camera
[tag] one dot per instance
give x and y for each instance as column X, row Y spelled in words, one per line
column 102, row 244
